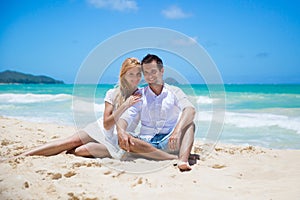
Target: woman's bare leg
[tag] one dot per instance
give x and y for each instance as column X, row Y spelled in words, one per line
column 92, row 149
column 58, row 146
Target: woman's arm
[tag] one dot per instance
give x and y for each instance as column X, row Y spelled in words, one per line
column 110, row 117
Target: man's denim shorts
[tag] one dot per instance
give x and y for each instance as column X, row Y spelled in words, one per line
column 159, row 141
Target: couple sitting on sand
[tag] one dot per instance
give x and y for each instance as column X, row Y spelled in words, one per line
column 166, row 115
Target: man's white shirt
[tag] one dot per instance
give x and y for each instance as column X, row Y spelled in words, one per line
column 158, row 113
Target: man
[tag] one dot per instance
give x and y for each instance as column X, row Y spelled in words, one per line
column 166, row 116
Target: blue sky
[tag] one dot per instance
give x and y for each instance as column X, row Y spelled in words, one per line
column 251, row 41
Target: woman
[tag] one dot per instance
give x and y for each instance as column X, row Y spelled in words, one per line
column 99, row 139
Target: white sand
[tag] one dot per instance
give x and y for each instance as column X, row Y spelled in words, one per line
column 229, row 172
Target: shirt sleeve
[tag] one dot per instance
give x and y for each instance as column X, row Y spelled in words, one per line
column 132, row 113
column 182, row 100
column 110, row 96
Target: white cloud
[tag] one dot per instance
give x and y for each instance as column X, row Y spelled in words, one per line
column 120, row 5
column 185, row 41
column 174, row 12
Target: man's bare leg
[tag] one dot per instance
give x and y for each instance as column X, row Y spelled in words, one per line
column 186, row 147
column 146, row 150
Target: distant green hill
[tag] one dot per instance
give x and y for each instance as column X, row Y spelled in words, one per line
column 18, row 77
column 168, row 80
column 171, row 81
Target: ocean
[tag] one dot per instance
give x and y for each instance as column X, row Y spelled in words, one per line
column 260, row 115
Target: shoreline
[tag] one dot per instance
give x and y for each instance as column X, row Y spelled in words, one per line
column 72, row 126
column 228, row 172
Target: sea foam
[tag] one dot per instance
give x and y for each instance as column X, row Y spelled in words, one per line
column 254, row 120
column 33, row 98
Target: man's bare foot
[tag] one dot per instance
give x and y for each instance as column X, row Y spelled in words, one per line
column 183, row 166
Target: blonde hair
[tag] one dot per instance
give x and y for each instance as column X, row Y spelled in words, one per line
column 124, row 89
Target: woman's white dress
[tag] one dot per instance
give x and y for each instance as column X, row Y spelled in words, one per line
column 109, row 138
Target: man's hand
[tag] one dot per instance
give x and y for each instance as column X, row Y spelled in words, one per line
column 174, row 140
column 125, row 141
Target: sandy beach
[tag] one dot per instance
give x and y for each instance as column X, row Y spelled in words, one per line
column 228, row 172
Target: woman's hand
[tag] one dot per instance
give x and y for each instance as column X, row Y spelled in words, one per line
column 132, row 100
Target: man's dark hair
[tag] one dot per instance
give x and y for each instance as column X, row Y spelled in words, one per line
column 149, row 58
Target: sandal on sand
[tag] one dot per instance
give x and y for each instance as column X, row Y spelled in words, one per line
column 193, row 159
column 183, row 166
column 194, row 156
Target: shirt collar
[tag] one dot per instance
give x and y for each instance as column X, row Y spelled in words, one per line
column 163, row 92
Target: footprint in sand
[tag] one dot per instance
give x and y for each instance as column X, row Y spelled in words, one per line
column 173, row 176
column 72, row 196
column 19, row 148
column 15, row 162
column 107, row 173
column 80, row 196
column 218, row 166
column 55, row 137
column 41, row 172
column 95, row 164
column 69, row 174
column 77, row 165
column 26, row 184
column 91, row 164
column 141, row 181
column 5, row 142
column 41, row 141
column 118, row 174
column 54, row 176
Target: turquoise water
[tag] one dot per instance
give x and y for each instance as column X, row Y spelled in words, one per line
column 263, row 115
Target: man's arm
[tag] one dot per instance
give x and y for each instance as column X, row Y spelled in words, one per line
column 186, row 118
column 123, row 136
